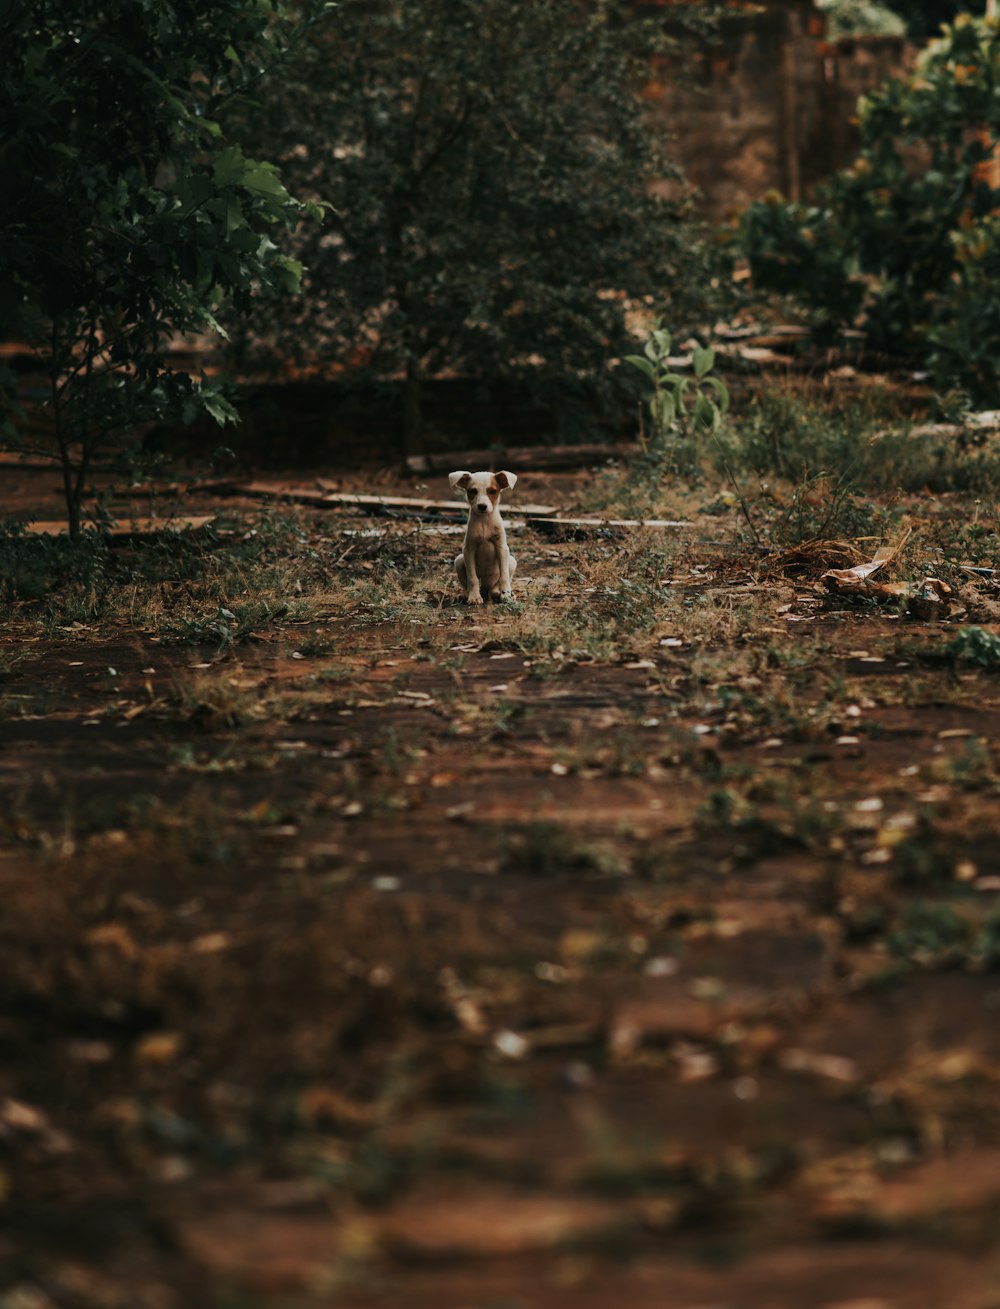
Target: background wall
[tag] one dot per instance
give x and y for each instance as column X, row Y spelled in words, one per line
column 771, row 107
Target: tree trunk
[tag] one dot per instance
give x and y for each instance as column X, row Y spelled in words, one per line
column 413, row 415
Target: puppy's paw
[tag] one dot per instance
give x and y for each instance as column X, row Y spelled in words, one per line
column 474, row 598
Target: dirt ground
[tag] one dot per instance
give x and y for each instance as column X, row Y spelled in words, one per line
column 634, row 944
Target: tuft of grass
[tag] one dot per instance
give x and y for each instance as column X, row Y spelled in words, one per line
column 213, row 701
column 543, row 849
column 974, row 645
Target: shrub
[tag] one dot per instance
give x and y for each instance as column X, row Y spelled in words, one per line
column 907, row 240
column 489, row 174
column 124, row 219
column 861, row 18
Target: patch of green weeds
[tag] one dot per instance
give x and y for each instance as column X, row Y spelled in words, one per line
column 212, row 702
column 33, row 566
column 186, row 756
column 986, row 948
column 505, row 714
column 618, row 753
column 9, row 662
column 543, row 849
column 226, row 627
column 316, row 643
column 332, row 675
column 934, row 934
column 394, row 755
column 929, row 932
column 974, row 645
column 868, row 444
column 970, row 770
column 165, row 583
column 767, row 817
column 926, row 857
column 28, row 704
column 810, row 469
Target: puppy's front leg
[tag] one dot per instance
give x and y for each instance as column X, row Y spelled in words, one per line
column 503, row 557
column 473, row 593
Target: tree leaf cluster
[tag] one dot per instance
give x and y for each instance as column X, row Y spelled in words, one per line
column 496, row 200
column 124, row 220
column 906, row 241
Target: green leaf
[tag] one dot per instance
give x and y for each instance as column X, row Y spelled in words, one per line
column 663, row 408
column 230, row 166
column 705, row 413
column 234, row 215
column 703, row 360
column 721, row 391
column 214, row 324
column 643, row 365
column 216, row 404
column 262, row 179
column 193, row 191
column 288, row 273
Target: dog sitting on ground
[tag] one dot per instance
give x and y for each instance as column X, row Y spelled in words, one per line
column 485, row 567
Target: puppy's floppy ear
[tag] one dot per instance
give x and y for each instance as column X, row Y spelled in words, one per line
column 505, row 480
column 461, row 479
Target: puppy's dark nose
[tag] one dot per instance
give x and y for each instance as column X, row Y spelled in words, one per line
column 482, row 508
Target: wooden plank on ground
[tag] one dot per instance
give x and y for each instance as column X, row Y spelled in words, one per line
column 277, row 491
column 346, row 500
column 139, row 491
column 536, row 458
column 587, row 526
column 375, row 504
column 133, row 528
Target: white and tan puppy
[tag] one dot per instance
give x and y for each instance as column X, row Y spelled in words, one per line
column 485, row 567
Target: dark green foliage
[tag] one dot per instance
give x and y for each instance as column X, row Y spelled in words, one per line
column 928, row 930
column 907, row 240
column 975, row 645
column 924, row 18
column 123, row 218
column 861, row 18
column 488, row 172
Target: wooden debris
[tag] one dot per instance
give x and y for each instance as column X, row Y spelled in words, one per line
column 212, row 486
column 578, row 527
column 807, row 557
column 275, row 491
column 540, row 458
column 930, row 600
column 471, row 1224
column 381, row 503
column 377, row 504
column 856, row 578
column 135, row 527
column 987, row 421
column 422, row 529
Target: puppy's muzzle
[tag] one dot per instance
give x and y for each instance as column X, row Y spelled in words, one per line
column 482, row 508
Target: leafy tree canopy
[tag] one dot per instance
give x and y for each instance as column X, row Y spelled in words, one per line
column 925, row 18
column 489, row 177
column 861, row 18
column 906, row 241
column 124, row 217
